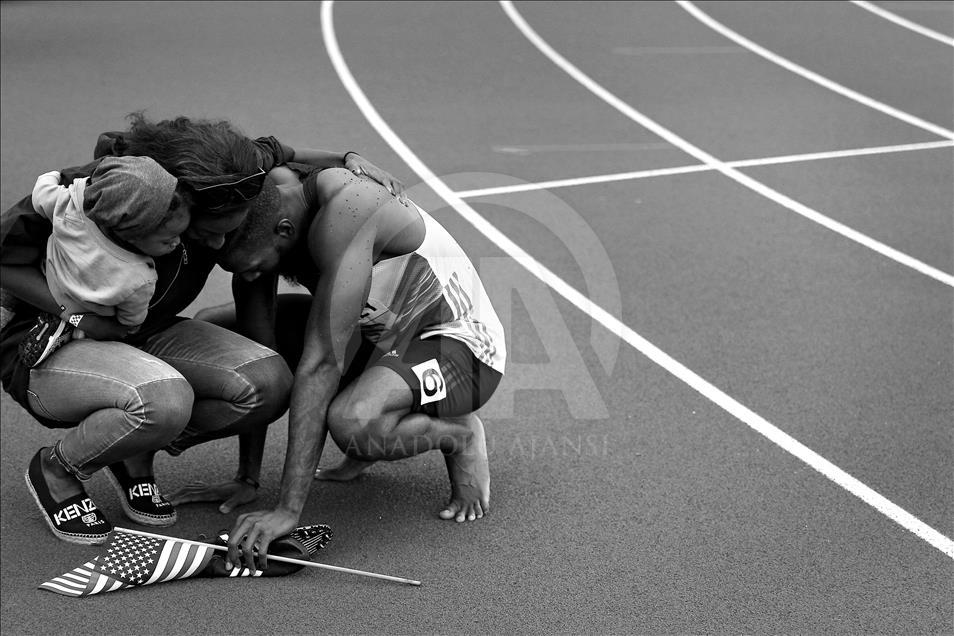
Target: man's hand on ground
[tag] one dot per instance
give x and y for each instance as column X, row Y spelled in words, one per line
column 253, row 533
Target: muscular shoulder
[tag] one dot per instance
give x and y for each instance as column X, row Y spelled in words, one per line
column 347, row 204
column 360, row 214
column 331, row 182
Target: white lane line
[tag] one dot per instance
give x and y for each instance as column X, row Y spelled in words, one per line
column 718, row 164
column 907, row 24
column 811, row 75
column 744, row 414
column 578, row 181
column 621, row 147
column 678, row 50
column 662, row 172
column 911, row 5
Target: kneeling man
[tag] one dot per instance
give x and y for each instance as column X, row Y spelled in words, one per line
column 393, row 352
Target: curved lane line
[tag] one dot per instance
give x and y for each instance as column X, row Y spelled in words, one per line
column 907, row 24
column 811, row 75
column 718, row 164
column 651, row 351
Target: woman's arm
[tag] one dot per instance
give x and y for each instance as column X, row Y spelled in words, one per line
column 23, row 238
column 255, row 307
column 27, row 283
column 277, row 153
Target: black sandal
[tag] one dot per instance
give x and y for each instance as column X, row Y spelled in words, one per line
column 76, row 520
column 140, row 497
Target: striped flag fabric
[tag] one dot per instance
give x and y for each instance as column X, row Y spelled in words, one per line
column 132, row 560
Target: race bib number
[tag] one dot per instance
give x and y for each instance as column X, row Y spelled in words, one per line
column 433, row 387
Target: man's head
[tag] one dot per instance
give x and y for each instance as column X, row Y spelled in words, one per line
column 257, row 246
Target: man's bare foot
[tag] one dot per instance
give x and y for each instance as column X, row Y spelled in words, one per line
column 469, row 472
column 345, row 471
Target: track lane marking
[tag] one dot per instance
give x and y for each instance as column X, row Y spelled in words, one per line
column 717, row 26
column 717, row 164
column 907, row 24
column 662, row 172
column 676, row 50
column 578, row 181
column 528, row 149
column 610, row 322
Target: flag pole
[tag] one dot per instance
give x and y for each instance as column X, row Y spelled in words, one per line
column 311, row 564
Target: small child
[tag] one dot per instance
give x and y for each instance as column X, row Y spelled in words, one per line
column 106, row 229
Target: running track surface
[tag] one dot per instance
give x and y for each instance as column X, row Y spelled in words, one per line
column 624, row 499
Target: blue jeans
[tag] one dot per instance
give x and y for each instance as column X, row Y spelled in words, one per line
column 188, row 384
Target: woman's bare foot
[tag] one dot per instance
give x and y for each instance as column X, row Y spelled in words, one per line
column 469, row 472
column 345, row 471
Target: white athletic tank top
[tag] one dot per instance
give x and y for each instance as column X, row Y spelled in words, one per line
column 435, row 291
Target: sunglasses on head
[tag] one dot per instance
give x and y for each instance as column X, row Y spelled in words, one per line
column 220, row 195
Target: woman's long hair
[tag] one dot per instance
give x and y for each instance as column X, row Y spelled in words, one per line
column 199, row 152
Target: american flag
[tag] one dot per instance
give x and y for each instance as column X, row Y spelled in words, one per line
column 132, row 560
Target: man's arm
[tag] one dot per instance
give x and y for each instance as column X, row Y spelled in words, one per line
column 254, row 319
column 255, row 307
column 342, row 246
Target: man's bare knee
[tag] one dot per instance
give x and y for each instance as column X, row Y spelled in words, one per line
column 357, row 410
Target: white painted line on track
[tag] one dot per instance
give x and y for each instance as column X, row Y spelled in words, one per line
column 912, row 5
column 811, row 75
column 662, row 172
column 741, row 412
column 621, row 147
column 578, row 181
column 677, row 50
column 907, row 24
column 718, row 164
